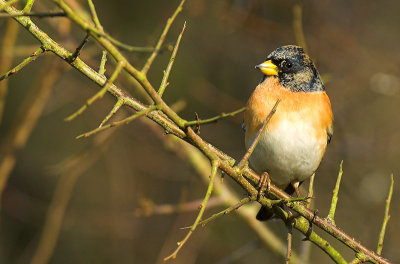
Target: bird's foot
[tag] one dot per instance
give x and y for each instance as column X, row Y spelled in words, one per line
column 265, row 181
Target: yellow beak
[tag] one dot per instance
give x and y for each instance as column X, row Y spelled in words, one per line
column 268, row 68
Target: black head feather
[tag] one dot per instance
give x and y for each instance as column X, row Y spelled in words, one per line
column 296, row 70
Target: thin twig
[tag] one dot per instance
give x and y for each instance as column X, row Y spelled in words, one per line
column 223, row 212
column 386, row 217
column 305, row 248
column 332, row 210
column 78, row 49
column 28, row 6
column 25, row 62
column 51, row 14
column 253, row 145
column 310, row 190
column 215, row 118
column 360, row 258
column 131, row 48
column 99, row 94
column 160, row 42
column 289, row 243
column 116, row 107
column 94, row 15
column 164, row 81
column 203, row 205
column 116, row 42
column 102, row 67
column 290, row 200
column 118, row 123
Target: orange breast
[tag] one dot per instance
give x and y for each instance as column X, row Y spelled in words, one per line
column 313, row 108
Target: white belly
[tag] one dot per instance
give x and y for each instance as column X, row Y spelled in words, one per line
column 291, row 152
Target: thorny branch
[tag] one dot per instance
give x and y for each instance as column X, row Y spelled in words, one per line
column 163, row 115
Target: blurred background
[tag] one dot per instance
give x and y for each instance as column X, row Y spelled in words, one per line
column 103, row 199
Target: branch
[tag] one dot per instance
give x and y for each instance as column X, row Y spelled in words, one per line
column 114, row 110
column 102, row 69
column 253, row 145
column 164, row 81
column 160, row 42
column 99, row 94
column 40, row 15
column 289, row 243
column 203, row 205
column 223, row 212
column 332, row 210
column 25, row 62
column 215, row 118
column 386, row 217
column 118, row 123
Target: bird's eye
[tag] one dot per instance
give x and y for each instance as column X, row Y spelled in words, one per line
column 286, row 65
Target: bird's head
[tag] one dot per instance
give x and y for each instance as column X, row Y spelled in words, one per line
column 294, row 69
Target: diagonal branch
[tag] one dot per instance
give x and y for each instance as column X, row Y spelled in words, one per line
column 253, row 145
column 118, row 123
column 332, row 210
column 160, row 42
column 99, row 94
column 24, row 63
column 164, row 81
column 386, row 217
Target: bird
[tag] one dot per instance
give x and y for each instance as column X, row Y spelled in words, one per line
column 296, row 136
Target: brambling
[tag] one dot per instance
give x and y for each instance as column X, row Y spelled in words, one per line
column 295, row 139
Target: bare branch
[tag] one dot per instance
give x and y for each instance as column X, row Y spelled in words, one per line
column 102, row 67
column 25, row 62
column 386, row 217
column 164, row 81
column 332, row 210
column 99, row 94
column 28, row 6
column 203, row 205
column 79, row 48
column 118, row 123
column 223, row 212
column 114, row 110
column 160, row 42
column 94, row 15
column 289, row 243
column 215, row 118
column 253, row 145
column 41, row 15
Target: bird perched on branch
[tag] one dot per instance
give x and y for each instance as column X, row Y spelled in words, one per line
column 292, row 146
